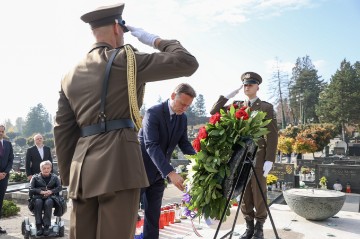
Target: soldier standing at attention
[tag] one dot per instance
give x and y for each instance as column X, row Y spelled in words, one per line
column 265, row 156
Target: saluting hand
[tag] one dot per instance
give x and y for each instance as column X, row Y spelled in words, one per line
column 143, row 36
column 177, row 180
column 233, row 93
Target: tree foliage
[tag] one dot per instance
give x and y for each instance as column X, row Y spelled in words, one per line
column 305, row 88
column 21, row 141
column 200, row 108
column 37, row 121
column 339, row 102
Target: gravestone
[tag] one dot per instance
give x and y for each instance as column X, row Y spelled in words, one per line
column 354, row 150
column 339, row 151
column 343, row 173
column 344, row 162
column 16, row 163
column 340, row 144
column 284, row 172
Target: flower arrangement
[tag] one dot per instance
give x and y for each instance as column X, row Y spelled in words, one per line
column 323, row 182
column 271, row 179
column 305, row 170
column 17, row 176
column 214, row 145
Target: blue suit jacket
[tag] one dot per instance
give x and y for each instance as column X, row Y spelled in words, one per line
column 6, row 162
column 158, row 141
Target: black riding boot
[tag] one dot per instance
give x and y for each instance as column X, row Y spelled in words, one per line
column 258, row 233
column 249, row 230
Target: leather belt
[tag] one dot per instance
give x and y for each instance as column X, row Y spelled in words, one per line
column 109, row 126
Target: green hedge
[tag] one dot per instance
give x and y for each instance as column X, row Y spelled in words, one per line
column 9, row 209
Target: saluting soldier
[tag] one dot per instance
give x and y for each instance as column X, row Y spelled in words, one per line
column 265, row 156
column 97, row 147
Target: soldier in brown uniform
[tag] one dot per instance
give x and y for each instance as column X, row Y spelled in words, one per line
column 97, row 147
column 265, row 155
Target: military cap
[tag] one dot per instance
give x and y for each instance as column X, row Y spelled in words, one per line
column 105, row 15
column 251, row 78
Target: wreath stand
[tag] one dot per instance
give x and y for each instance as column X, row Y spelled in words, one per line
column 247, row 168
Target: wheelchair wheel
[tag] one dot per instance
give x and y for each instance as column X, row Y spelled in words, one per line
column 25, row 232
column 62, row 231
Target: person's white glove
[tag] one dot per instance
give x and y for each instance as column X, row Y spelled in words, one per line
column 267, row 167
column 143, row 36
column 232, row 94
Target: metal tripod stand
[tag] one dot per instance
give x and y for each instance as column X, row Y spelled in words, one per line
column 247, row 169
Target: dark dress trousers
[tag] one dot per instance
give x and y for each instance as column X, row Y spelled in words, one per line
column 33, row 159
column 6, row 162
column 158, row 139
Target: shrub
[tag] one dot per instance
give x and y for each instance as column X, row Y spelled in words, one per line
column 9, row 209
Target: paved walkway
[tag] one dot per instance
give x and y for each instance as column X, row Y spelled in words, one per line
column 345, row 225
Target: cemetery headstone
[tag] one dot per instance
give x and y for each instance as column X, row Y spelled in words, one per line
column 284, row 172
column 343, row 173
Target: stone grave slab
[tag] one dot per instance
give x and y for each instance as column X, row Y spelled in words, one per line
column 343, row 173
column 284, row 172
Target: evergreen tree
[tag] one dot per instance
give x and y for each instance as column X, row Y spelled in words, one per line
column 305, row 88
column 37, row 121
column 191, row 115
column 19, row 123
column 339, row 102
column 200, row 108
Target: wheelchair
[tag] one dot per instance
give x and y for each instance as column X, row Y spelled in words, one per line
column 28, row 229
column 57, row 227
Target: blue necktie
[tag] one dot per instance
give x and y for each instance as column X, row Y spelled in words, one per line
column 1, row 149
column 172, row 120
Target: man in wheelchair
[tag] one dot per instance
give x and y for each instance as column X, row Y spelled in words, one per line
column 44, row 195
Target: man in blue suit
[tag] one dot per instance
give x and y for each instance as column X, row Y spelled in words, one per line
column 164, row 127
column 6, row 162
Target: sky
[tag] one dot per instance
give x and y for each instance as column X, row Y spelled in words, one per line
column 41, row 40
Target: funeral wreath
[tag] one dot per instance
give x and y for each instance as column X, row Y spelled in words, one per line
column 214, row 145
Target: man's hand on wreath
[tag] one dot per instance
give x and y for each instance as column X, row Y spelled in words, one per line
column 177, row 180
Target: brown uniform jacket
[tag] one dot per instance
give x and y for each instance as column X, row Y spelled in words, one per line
column 268, row 146
column 110, row 161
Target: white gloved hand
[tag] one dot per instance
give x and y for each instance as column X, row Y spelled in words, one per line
column 143, row 36
column 232, row 94
column 267, row 167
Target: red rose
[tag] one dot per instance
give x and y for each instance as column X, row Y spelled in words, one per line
column 244, row 107
column 215, row 118
column 196, row 144
column 202, row 133
column 234, row 105
column 241, row 114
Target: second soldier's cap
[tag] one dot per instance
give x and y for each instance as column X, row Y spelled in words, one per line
column 105, row 15
column 251, row 78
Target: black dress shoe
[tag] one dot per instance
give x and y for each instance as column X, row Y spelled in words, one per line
column 2, row 231
column 46, row 231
